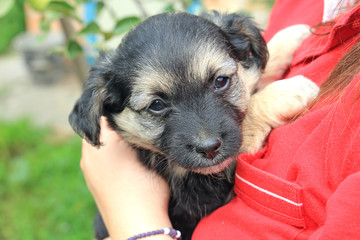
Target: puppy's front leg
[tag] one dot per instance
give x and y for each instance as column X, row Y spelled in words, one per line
column 281, row 51
column 273, row 106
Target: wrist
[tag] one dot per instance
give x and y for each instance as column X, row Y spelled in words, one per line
column 141, row 218
column 126, row 216
column 158, row 234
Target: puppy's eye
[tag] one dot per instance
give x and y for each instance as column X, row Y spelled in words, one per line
column 157, row 106
column 222, row 82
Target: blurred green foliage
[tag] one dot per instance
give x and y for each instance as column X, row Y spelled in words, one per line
column 269, row 3
column 42, row 191
column 53, row 10
column 12, row 22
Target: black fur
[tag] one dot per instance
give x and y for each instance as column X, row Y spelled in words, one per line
column 195, row 116
column 247, row 43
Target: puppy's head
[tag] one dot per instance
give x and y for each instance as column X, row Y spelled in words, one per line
column 178, row 85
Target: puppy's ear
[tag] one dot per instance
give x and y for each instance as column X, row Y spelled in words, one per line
column 86, row 114
column 248, row 45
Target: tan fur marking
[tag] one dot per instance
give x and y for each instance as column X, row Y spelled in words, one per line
column 243, row 84
column 138, row 130
column 249, row 76
column 150, row 82
column 211, row 57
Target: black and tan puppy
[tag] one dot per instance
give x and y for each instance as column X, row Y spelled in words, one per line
column 177, row 88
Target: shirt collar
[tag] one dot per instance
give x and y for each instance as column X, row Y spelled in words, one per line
column 328, row 36
column 333, row 8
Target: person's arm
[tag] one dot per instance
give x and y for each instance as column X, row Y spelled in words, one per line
column 131, row 198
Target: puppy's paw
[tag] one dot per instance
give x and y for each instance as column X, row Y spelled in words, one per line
column 283, row 99
column 273, row 107
column 281, row 50
column 289, row 39
column 254, row 136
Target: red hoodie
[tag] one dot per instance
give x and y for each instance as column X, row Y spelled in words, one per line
column 305, row 183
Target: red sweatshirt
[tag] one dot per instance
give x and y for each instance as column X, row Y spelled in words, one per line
column 305, row 183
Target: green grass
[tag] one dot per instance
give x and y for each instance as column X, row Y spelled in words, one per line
column 42, row 191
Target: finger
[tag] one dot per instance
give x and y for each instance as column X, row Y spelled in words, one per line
column 107, row 134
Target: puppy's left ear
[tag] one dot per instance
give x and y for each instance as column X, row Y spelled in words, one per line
column 247, row 43
column 95, row 101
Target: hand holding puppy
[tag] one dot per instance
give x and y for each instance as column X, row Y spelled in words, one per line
column 114, row 169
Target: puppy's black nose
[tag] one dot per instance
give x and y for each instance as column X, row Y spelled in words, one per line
column 209, row 148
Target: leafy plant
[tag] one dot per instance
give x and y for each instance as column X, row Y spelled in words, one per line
column 11, row 16
column 42, row 191
column 75, row 28
column 53, row 10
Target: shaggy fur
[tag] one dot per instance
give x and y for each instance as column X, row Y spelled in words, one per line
column 177, row 89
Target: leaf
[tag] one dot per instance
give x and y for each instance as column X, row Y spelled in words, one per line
column 169, row 8
column 47, row 19
column 91, row 28
column 44, row 24
column 107, row 35
column 61, row 7
column 100, row 5
column 57, row 50
column 5, row 6
column 73, row 49
column 125, row 24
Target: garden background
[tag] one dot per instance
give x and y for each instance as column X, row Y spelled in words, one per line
column 46, row 49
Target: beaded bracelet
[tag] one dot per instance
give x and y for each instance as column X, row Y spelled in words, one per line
column 174, row 234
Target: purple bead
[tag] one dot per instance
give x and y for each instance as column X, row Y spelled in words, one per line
column 172, row 233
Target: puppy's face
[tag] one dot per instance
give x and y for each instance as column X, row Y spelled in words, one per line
column 178, row 85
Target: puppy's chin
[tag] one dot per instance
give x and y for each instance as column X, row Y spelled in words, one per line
column 216, row 168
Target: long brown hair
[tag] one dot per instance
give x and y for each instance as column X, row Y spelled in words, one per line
column 341, row 76
column 338, row 81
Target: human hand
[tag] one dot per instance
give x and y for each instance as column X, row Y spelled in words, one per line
column 131, row 198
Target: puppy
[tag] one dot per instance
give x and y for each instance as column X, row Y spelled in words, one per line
column 177, row 89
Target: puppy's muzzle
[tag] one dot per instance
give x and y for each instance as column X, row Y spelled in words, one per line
column 208, row 148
